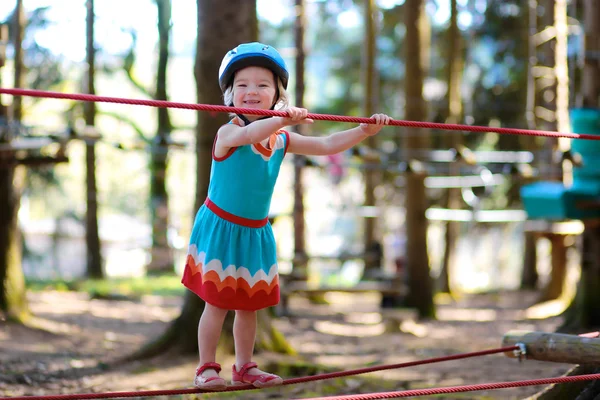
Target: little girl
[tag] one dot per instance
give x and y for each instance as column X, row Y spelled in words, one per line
column 231, row 262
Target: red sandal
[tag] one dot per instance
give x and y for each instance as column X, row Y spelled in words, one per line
column 260, row 381
column 210, row 383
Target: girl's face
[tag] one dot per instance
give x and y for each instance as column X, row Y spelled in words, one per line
column 254, row 87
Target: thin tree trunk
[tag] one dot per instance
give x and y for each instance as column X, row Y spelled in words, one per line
column 13, row 300
column 561, row 72
column 19, row 25
column 529, row 273
column 372, row 248
column 554, row 288
column 420, row 291
column 94, row 252
column 300, row 256
column 162, row 261
column 455, row 110
column 584, row 311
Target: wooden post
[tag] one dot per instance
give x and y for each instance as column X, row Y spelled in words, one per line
column 554, row 288
column 555, row 347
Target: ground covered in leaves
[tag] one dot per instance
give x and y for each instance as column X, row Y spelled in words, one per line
column 80, row 339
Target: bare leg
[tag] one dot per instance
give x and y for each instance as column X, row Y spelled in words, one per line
column 209, row 331
column 244, row 335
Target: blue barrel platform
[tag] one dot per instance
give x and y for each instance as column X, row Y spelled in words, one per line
column 552, row 200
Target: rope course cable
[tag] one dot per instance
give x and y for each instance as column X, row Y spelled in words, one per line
column 323, row 117
column 461, row 389
column 291, row 381
column 276, row 113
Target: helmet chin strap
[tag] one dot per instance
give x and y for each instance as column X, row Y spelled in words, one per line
column 247, row 121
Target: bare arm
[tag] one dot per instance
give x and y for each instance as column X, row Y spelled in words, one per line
column 232, row 135
column 336, row 142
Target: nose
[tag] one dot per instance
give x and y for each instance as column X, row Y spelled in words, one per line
column 252, row 89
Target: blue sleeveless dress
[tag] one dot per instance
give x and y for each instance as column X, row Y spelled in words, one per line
column 232, row 261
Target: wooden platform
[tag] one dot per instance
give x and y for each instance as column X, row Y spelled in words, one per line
column 444, row 214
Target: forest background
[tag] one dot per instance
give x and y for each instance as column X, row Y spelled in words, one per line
column 475, row 62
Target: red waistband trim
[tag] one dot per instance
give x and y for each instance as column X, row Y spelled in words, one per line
column 251, row 223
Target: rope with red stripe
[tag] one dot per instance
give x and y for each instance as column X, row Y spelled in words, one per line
column 303, row 379
column 461, row 389
column 276, row 113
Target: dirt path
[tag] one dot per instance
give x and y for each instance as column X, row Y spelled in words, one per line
column 88, row 334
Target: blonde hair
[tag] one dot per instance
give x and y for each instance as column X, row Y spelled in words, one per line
column 282, row 102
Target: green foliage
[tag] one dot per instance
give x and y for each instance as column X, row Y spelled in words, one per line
column 500, row 54
column 44, row 68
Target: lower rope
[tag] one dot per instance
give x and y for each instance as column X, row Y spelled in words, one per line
column 329, row 375
column 276, row 113
column 460, row 389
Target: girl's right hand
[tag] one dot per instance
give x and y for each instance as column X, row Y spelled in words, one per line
column 297, row 116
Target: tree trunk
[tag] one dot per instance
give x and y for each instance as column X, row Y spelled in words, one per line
column 219, row 30
column 420, row 292
column 13, row 300
column 584, row 311
column 215, row 21
column 162, row 261
column 529, row 274
column 372, row 258
column 19, row 32
column 94, row 253
column 554, row 288
column 454, row 78
column 300, row 257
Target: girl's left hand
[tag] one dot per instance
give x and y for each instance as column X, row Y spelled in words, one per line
column 372, row 129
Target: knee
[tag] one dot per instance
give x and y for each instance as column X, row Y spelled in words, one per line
column 215, row 312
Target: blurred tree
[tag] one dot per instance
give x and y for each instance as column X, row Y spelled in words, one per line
column 219, row 30
column 94, row 268
column 370, row 103
column 501, row 59
column 584, row 312
column 529, row 274
column 162, row 255
column 560, row 104
column 44, row 69
column 300, row 258
column 455, row 68
column 420, row 292
column 13, row 301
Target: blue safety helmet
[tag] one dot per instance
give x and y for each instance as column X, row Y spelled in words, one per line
column 252, row 54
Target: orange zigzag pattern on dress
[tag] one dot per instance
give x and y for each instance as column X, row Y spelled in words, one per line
column 231, row 282
column 240, row 283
